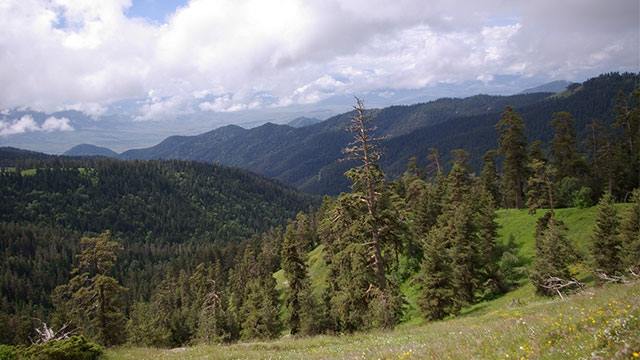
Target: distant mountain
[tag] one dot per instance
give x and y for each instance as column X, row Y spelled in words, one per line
column 90, row 150
column 308, row 157
column 303, row 121
column 552, row 87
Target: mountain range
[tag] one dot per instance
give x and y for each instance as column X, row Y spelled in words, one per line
column 309, row 157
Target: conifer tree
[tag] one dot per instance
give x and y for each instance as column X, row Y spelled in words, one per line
column 627, row 122
column 92, row 300
column 213, row 319
column 489, row 176
column 606, row 248
column 489, row 277
column 450, row 276
column 297, row 294
column 436, row 292
column 540, row 186
column 260, row 309
column 368, row 180
column 630, row 235
column 513, row 147
column 554, row 253
column 364, row 239
column 603, row 166
column 564, row 148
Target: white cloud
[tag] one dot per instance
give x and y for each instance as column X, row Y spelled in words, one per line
column 27, row 124
column 223, row 55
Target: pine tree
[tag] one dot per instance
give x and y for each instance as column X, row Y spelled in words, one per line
column 213, row 319
column 564, row 148
column 603, row 166
column 540, row 186
column 261, row 309
column 364, row 230
column 461, row 237
column 92, row 300
column 436, row 292
column 295, row 271
column 627, row 152
column 450, row 276
column 368, row 180
column 513, row 146
column 554, row 253
column 630, row 235
column 488, row 253
column 489, row 176
column 606, row 249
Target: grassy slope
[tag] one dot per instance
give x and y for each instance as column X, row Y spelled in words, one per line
column 497, row 314
column 603, row 321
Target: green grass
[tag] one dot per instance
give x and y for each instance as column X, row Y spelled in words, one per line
column 602, row 322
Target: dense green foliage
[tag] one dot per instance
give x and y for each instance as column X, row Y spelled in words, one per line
column 167, row 215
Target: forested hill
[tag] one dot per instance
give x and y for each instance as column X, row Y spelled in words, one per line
column 168, row 215
column 161, row 201
column 308, row 157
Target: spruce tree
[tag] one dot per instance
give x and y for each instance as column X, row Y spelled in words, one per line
column 513, row 147
column 606, row 244
column 630, row 235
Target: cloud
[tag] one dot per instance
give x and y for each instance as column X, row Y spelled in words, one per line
column 225, row 55
column 27, row 124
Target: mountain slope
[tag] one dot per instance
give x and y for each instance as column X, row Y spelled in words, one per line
column 90, row 150
column 303, row 121
column 308, row 157
column 552, row 87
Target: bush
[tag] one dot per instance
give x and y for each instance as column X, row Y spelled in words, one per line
column 582, row 198
column 565, row 192
column 8, row 352
column 73, row 348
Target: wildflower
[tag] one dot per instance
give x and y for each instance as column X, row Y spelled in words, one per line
column 636, row 354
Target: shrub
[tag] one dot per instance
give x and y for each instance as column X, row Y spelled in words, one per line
column 567, row 188
column 8, row 352
column 73, row 348
column 582, row 198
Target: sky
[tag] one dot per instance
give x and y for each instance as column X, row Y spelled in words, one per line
column 228, row 56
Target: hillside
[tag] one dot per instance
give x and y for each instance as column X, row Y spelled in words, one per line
column 602, row 323
column 517, row 324
column 90, row 150
column 308, row 157
column 551, row 87
column 167, row 215
column 511, row 222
